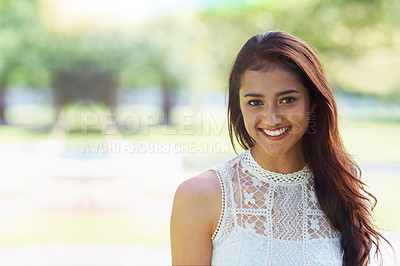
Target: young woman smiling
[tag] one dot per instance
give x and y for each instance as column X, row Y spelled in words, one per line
column 294, row 197
column 275, row 107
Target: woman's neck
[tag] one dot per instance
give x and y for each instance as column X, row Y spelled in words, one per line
column 286, row 163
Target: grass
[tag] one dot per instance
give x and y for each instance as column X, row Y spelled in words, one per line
column 12, row 133
column 384, row 187
column 372, row 142
column 85, row 228
column 16, row 134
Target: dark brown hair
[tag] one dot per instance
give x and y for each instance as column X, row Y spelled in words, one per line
column 340, row 191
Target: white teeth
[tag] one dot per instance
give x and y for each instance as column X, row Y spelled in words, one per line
column 276, row 132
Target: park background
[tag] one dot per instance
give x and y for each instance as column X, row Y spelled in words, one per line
column 106, row 106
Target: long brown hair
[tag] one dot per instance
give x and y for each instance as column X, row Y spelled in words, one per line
column 339, row 189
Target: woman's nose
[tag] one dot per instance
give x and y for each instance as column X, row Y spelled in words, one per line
column 272, row 116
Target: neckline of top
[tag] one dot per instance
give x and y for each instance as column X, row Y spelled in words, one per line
column 300, row 176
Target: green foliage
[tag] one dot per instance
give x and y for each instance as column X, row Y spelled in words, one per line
column 139, row 77
column 359, row 42
column 19, row 31
column 358, row 39
column 106, row 51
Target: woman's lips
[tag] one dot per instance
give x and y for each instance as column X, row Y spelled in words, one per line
column 276, row 134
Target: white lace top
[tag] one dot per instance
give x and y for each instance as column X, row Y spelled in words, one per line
column 269, row 218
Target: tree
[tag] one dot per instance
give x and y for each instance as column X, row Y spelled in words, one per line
column 85, row 67
column 159, row 58
column 19, row 30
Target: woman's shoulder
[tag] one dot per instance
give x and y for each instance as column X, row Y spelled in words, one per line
column 204, row 186
column 203, row 193
column 194, row 217
column 198, row 202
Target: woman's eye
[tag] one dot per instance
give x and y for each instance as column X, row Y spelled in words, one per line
column 288, row 100
column 255, row 102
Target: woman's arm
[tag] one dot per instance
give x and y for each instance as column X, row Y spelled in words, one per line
column 195, row 214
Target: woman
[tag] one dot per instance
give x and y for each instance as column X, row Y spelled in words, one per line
column 294, row 197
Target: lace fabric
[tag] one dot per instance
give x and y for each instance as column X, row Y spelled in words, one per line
column 270, row 218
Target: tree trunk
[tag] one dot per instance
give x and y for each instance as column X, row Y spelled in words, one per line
column 166, row 98
column 2, row 103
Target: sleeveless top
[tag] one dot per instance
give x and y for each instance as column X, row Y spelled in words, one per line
column 269, row 218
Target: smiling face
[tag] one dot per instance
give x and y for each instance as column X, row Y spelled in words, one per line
column 275, row 107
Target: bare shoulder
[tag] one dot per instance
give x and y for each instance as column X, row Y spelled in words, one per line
column 200, row 196
column 198, row 201
column 195, row 213
column 203, row 185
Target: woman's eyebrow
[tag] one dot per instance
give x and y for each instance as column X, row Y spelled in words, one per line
column 286, row 92
column 254, row 95
column 257, row 95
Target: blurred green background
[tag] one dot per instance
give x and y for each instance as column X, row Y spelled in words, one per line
column 106, row 106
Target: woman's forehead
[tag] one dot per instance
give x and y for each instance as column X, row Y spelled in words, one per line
column 276, row 78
